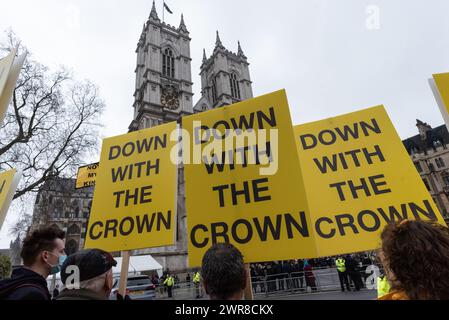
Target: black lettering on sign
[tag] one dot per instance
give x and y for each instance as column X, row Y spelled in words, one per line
column 135, row 170
column 230, row 158
column 2, row 186
column 247, row 226
column 193, row 239
column 243, row 192
column 348, row 159
column 140, row 224
column 364, row 187
column 362, row 223
column 92, row 166
column 328, row 137
column 370, row 220
column 91, row 175
column 242, row 230
column 320, row 232
column 139, row 146
column 265, row 120
column 138, row 196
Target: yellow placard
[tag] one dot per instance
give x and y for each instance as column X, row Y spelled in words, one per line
column 7, row 189
column 5, row 67
column 256, row 201
column 10, row 84
column 134, row 205
column 442, row 83
column 87, row 175
column 358, row 177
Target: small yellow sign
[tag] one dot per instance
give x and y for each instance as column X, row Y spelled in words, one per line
column 8, row 184
column 134, row 205
column 246, row 187
column 87, row 175
column 358, row 177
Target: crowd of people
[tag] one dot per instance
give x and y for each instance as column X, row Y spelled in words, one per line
column 414, row 256
column 298, row 274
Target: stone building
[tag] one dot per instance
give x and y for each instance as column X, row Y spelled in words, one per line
column 163, row 94
column 429, row 151
column 59, row 203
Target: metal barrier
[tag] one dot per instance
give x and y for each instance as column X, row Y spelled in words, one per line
column 325, row 279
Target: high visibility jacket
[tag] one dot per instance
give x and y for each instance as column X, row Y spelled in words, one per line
column 383, row 286
column 196, row 277
column 341, row 265
column 170, row 281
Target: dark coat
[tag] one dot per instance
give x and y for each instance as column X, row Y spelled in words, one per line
column 80, row 294
column 24, row 284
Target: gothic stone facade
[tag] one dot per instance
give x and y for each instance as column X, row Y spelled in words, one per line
column 59, row 203
column 429, row 151
column 164, row 93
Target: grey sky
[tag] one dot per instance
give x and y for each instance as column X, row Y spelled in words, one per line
column 320, row 51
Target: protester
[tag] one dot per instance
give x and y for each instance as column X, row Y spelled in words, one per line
column 223, row 272
column 310, row 277
column 95, row 276
column 42, row 254
column 415, row 256
column 353, row 272
column 56, row 292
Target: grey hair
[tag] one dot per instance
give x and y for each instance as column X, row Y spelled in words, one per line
column 95, row 284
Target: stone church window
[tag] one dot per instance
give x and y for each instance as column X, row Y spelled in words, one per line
column 445, row 177
column 214, row 90
column 168, row 63
column 235, row 89
column 74, row 229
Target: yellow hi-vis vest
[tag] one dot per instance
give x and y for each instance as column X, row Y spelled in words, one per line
column 196, row 277
column 341, row 265
column 169, row 281
column 383, row 286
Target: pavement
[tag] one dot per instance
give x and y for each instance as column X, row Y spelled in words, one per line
column 331, row 295
column 363, row 294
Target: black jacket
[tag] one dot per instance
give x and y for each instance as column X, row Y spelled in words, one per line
column 79, row 294
column 24, row 285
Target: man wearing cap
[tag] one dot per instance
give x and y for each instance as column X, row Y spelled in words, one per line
column 95, row 275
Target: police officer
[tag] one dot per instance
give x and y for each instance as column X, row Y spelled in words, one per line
column 196, row 281
column 342, row 274
column 169, row 282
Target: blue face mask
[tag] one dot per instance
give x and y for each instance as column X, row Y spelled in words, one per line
column 57, row 268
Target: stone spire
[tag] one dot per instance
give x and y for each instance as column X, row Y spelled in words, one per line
column 204, row 55
column 218, row 43
column 153, row 13
column 182, row 25
column 423, row 127
column 240, row 51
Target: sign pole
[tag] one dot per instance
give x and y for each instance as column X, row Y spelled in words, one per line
column 248, row 294
column 124, row 273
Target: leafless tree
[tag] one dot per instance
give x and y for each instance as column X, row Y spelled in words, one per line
column 51, row 125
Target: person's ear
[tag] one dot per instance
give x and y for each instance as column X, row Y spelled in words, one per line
column 108, row 282
column 44, row 255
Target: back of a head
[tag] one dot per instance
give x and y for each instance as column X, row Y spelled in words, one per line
column 417, row 257
column 223, row 271
column 94, row 267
